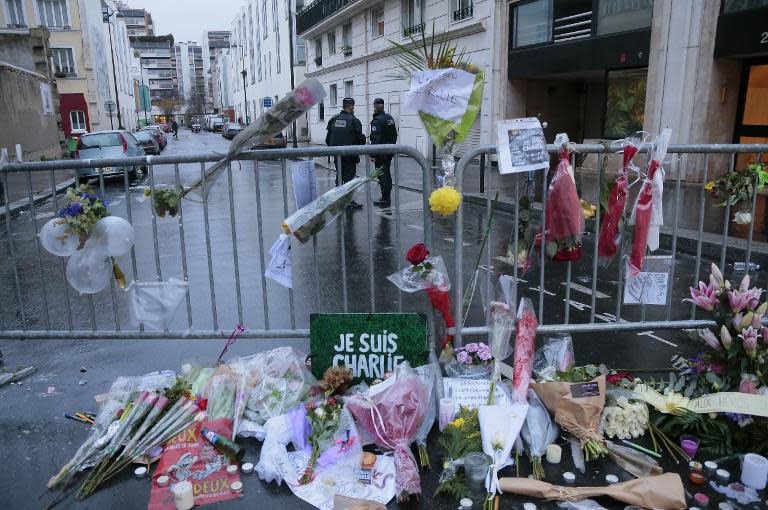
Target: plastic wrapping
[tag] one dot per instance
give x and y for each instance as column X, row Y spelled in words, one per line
column 525, row 343
column 632, row 461
column 280, row 380
column 392, row 414
column 410, row 280
column 431, row 378
column 610, row 224
column 564, row 222
column 89, row 270
column 154, row 303
column 555, row 356
column 58, row 238
column 499, row 428
column 539, row 431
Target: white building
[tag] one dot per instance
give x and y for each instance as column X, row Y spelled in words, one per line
column 214, row 42
column 123, row 58
column 261, row 36
column 350, row 52
column 223, row 82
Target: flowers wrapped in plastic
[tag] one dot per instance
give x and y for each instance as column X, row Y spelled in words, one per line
column 525, row 342
column 502, row 321
column 556, row 355
column 473, row 361
column 538, row 432
column 614, row 205
column 499, row 428
column 564, row 222
column 648, row 212
column 313, row 217
column 392, row 413
column 432, row 377
column 447, row 91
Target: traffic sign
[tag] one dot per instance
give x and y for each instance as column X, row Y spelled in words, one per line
column 110, row 106
column 266, row 102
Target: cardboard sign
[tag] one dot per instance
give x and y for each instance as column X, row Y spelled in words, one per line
column 443, row 93
column 472, row 393
column 521, row 146
column 651, row 285
column 370, row 344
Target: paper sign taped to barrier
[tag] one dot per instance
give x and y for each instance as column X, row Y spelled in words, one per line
column 443, row 93
column 471, row 393
column 521, row 146
column 650, row 286
column 304, row 184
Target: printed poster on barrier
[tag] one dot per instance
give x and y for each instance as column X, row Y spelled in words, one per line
column 521, row 146
column 650, row 286
column 190, row 457
column 369, row 344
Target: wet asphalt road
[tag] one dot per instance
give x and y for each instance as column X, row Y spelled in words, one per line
column 37, row 439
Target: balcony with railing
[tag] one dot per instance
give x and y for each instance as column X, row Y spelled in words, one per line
column 463, row 13
column 318, row 11
column 413, row 30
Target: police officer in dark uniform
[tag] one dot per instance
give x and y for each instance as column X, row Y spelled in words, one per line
column 383, row 130
column 346, row 129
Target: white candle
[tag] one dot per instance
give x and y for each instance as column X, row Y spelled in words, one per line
column 554, row 454
column 754, row 471
column 182, row 495
column 447, row 412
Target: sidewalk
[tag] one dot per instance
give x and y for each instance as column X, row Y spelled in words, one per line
column 587, row 185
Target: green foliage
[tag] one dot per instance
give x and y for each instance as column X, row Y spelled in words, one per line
column 715, row 435
column 180, row 388
column 582, row 374
column 454, row 485
column 83, row 210
column 461, row 436
column 738, row 187
column 625, row 108
column 167, row 201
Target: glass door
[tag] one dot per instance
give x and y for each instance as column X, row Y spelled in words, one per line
column 752, row 119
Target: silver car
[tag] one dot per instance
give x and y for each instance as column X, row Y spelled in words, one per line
column 107, row 144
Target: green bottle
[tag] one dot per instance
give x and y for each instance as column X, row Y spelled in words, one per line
column 224, row 445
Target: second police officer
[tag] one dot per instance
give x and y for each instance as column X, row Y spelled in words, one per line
column 383, row 131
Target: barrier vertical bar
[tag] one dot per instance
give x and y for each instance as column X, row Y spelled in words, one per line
column 516, row 234
column 543, row 245
column 567, row 313
column 183, row 245
column 111, row 280
column 752, row 223
column 368, row 207
column 697, row 269
column 284, row 168
column 154, row 221
column 260, row 228
column 726, row 221
column 603, row 157
column 343, row 249
column 12, row 251
column 235, row 258
column 488, row 242
column 317, row 273
column 674, row 240
column 62, row 262
column 33, row 212
column 398, row 247
column 211, row 281
column 129, row 214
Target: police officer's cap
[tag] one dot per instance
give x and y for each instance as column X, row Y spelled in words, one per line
column 348, row 101
column 378, row 100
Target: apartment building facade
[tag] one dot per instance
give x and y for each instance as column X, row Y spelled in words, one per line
column 138, row 21
column 80, row 58
column 223, row 83
column 350, row 51
column 191, row 76
column 264, row 47
column 214, row 42
column 157, row 59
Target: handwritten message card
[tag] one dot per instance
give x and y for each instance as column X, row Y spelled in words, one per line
column 650, row 286
column 443, row 93
column 471, row 393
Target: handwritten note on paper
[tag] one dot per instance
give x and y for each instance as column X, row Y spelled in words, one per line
column 279, row 268
column 521, row 146
column 304, row 185
column 651, row 285
column 471, row 393
column 443, row 93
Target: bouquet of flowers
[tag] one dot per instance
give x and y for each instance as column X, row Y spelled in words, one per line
column 499, row 428
column 500, row 329
column 525, row 342
column 323, row 419
column 538, row 432
column 459, row 438
column 738, row 188
column 564, row 223
column 614, row 205
column 648, row 213
column 473, row 360
column 625, row 419
column 430, row 275
column 435, row 69
column 392, row 416
column 432, row 378
column 313, row 217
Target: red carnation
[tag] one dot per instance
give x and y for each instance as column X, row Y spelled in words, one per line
column 417, row 254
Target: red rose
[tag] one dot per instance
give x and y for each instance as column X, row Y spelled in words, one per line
column 617, row 377
column 417, row 254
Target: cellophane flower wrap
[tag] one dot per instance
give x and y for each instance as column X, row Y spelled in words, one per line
column 392, row 415
column 432, row 377
column 501, row 324
column 564, row 223
column 610, row 224
column 648, row 212
column 538, row 432
column 525, row 344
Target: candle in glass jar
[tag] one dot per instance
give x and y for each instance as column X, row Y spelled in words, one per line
column 447, row 412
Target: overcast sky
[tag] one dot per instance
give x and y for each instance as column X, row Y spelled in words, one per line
column 187, row 19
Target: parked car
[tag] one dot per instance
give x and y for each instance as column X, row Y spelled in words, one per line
column 231, row 130
column 117, row 144
column 162, row 140
column 277, row 142
column 148, row 142
column 217, row 124
column 196, row 128
column 165, row 127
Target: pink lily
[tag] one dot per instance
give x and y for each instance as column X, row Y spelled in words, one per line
column 737, row 320
column 764, row 334
column 753, row 297
column 749, row 338
column 725, row 337
column 703, row 297
column 738, row 300
column 710, row 339
column 748, row 384
column 716, row 277
column 744, row 285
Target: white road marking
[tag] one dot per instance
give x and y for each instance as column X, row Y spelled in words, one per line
column 655, row 337
column 579, row 306
column 586, row 290
column 417, row 227
column 607, row 317
column 452, row 240
column 537, row 289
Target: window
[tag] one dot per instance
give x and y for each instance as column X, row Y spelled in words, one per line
column 412, row 17
column 619, row 16
column 275, row 15
column 461, row 9
column 277, row 50
column 53, row 13
column 533, row 23
column 253, row 68
column 288, row 9
column 15, row 13
column 319, row 51
column 301, row 51
column 377, row 22
column 77, row 120
column 349, row 89
column 346, row 39
column 743, row 5
column 264, row 19
column 321, row 111
column 63, row 61
column 334, row 93
column 332, row 42
column 625, row 102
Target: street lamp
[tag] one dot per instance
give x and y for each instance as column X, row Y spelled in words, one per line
column 105, row 17
column 245, row 74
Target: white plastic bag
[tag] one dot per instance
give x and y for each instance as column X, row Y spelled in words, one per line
column 154, row 303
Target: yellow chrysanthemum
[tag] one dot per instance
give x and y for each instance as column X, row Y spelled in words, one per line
column 147, row 192
column 458, row 423
column 444, row 201
column 709, row 186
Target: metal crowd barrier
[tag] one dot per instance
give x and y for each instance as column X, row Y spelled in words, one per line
column 19, row 319
column 675, row 152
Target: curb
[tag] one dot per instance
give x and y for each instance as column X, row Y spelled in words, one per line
column 15, row 208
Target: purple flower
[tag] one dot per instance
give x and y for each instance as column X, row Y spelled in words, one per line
column 484, row 353
column 744, row 285
column 471, row 347
column 710, row 339
column 704, row 297
column 738, row 300
column 737, row 320
column 753, row 297
column 72, row 209
column 464, row 358
column 725, row 337
column 749, row 338
column 716, row 277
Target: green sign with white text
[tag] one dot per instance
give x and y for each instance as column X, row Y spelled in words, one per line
column 370, row 344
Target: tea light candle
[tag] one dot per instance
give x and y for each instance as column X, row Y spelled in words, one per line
column 247, row 468
column 140, row 472
column 232, row 469
column 569, row 477
column 722, row 475
column 554, row 454
column 183, row 496
column 754, row 471
column 710, row 466
column 465, row 504
column 529, row 506
column 701, row 499
column 236, row 487
column 611, row 479
column 690, row 445
column 162, row 481
column 446, row 413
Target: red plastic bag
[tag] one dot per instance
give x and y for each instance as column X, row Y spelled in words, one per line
column 608, row 243
column 564, row 224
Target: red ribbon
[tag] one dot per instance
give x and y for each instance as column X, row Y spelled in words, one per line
column 236, row 333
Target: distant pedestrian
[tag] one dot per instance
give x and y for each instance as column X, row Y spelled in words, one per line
column 383, row 130
column 175, row 129
column 72, row 146
column 345, row 129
